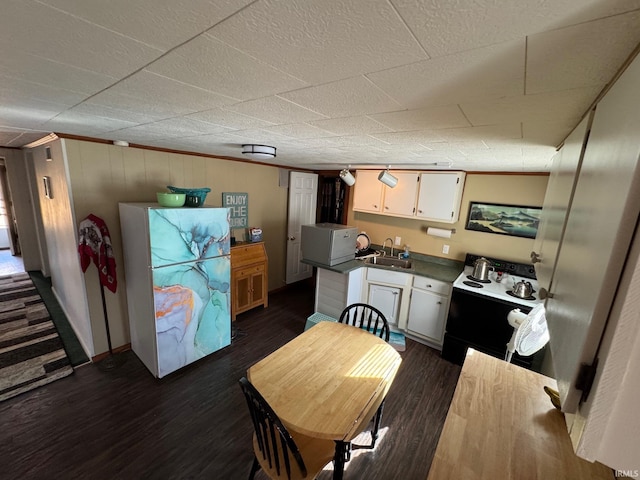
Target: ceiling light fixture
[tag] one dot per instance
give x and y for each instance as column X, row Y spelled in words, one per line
column 260, row 151
column 388, row 179
column 347, row 177
column 441, row 164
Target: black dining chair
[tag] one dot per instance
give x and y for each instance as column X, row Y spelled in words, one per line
column 373, row 320
column 279, row 453
column 367, row 317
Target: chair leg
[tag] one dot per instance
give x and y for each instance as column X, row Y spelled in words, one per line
column 254, row 468
column 376, row 425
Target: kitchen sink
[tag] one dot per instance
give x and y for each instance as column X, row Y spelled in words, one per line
column 389, row 262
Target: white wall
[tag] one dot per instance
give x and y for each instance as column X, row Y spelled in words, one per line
column 60, row 232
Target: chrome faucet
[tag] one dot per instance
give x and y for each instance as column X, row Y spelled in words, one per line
column 391, row 245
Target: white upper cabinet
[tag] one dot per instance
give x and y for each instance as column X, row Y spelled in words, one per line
column 434, row 196
column 401, row 200
column 368, row 192
column 439, row 196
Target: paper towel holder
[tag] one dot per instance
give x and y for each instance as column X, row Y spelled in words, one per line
column 440, row 232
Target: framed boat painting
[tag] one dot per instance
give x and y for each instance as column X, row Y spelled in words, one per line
column 514, row 220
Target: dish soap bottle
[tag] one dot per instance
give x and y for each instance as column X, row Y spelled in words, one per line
column 405, row 254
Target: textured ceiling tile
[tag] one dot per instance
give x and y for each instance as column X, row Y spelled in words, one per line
column 568, row 105
column 185, row 98
column 44, row 31
column 581, row 56
column 160, row 24
column 179, row 127
column 419, row 136
column 484, row 133
column 448, row 26
column 13, row 89
column 489, row 72
column 424, row 118
column 53, row 74
column 360, row 125
column 29, row 114
column 233, row 120
column 302, row 38
column 71, row 121
column 299, row 130
column 215, row 66
column 460, row 146
column 353, row 96
column 257, row 136
column 275, row 110
column 130, row 115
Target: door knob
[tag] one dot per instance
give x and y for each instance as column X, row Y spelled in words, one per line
column 291, row 237
column 535, row 258
column 544, row 293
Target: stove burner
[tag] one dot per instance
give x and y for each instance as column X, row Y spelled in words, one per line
column 530, row 297
column 472, row 284
column 474, row 279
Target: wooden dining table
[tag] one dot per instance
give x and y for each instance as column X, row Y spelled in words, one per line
column 328, row 383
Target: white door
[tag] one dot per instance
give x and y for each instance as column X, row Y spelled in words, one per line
column 303, row 195
column 597, row 236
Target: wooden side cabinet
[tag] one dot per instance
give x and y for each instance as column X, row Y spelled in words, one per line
column 249, row 277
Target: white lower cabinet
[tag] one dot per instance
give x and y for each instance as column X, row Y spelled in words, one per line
column 428, row 308
column 386, row 299
column 412, row 304
column 427, row 315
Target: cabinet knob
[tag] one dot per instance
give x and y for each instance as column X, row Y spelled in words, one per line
column 535, row 258
column 419, row 211
column 544, row 293
column 429, row 286
column 386, row 208
column 375, row 206
column 439, row 303
column 291, row 237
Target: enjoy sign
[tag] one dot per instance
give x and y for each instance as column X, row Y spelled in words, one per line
column 238, row 205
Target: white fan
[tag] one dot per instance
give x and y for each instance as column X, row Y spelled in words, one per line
column 530, row 332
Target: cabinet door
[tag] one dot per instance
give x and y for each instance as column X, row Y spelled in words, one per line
column 257, row 288
column 427, row 315
column 367, row 196
column 440, row 195
column 401, row 200
column 387, row 300
column 242, row 287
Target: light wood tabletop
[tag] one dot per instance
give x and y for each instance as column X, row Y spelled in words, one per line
column 501, row 425
column 329, row 381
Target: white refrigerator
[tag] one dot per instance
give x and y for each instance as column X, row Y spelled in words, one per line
column 177, row 272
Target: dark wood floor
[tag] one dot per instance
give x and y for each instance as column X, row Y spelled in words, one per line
column 124, row 424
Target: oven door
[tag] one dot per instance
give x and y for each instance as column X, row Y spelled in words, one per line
column 480, row 322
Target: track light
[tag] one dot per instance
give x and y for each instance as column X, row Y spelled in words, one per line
column 260, row 151
column 347, row 177
column 388, row 179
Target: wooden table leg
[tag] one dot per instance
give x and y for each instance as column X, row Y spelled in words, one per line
column 342, row 455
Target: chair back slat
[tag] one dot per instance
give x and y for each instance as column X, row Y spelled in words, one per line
column 274, row 441
column 367, row 317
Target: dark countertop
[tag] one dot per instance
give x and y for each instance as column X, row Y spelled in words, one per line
column 424, row 265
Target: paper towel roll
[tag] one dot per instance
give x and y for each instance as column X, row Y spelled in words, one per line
column 439, row 232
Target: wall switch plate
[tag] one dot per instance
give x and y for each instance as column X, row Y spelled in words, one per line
column 445, row 249
column 398, row 241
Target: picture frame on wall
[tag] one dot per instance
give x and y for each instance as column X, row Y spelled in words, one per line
column 513, row 220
